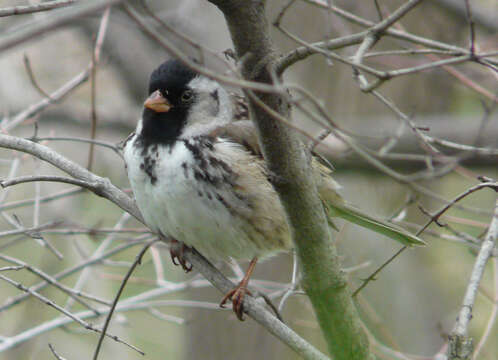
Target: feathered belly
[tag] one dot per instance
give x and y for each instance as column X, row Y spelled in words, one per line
column 196, row 197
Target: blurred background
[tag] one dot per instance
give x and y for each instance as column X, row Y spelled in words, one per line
column 414, row 302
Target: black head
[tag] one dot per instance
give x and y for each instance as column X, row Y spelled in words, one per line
column 166, row 109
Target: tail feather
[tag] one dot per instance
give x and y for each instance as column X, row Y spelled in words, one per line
column 337, row 207
column 358, row 217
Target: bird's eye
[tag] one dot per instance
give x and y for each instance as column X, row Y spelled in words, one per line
column 187, row 95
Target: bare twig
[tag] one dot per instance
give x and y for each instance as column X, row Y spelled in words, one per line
column 69, row 271
column 53, row 282
column 44, row 103
column 85, row 274
column 29, row 70
column 44, row 199
column 49, row 302
column 395, row 16
column 93, row 80
column 460, row 345
column 10, row 268
column 105, row 144
column 480, row 12
column 29, row 9
column 75, row 12
column 433, row 218
column 100, row 186
column 470, row 20
column 494, row 312
column 57, row 356
column 414, row 39
column 137, row 302
column 175, row 51
column 34, row 178
column 30, row 230
column 138, row 261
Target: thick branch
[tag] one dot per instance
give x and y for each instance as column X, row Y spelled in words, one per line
column 285, row 155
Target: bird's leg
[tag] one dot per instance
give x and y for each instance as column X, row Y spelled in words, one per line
column 237, row 294
column 176, row 251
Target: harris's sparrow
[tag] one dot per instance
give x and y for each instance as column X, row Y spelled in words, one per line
column 199, row 177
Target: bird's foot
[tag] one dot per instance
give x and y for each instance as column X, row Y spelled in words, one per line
column 237, row 295
column 176, row 251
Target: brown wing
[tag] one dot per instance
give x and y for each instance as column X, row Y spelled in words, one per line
column 244, row 133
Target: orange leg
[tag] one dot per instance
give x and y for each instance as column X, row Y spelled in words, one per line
column 237, row 294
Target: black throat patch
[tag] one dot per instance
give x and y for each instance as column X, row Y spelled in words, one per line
column 171, row 78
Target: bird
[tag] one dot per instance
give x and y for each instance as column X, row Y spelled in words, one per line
column 199, row 177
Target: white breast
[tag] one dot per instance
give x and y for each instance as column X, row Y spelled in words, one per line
column 174, row 202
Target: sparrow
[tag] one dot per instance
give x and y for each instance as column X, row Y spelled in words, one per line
column 199, row 177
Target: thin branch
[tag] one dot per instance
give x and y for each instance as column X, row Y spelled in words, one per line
column 99, row 42
column 437, row 215
column 460, row 345
column 44, row 199
column 105, row 144
column 484, row 151
column 180, row 55
column 34, row 229
column 137, row 302
column 301, row 53
column 49, row 302
column 34, row 178
column 51, row 281
column 29, row 70
column 57, row 356
column 373, row 275
column 87, row 7
column 69, row 271
column 480, row 12
column 85, row 274
column 494, row 312
column 254, row 308
column 433, row 218
column 395, row 16
column 138, row 261
column 29, row 9
column 472, row 33
column 417, row 40
column 100, row 186
column 10, row 268
column 391, row 32
column 36, row 108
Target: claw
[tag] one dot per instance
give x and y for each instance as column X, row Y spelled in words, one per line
column 173, row 258
column 238, row 293
column 176, row 251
